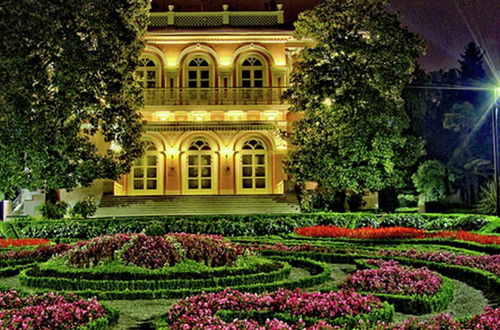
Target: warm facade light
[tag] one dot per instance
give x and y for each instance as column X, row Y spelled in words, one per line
column 199, row 116
column 163, row 116
column 235, row 115
column 271, row 115
column 171, row 151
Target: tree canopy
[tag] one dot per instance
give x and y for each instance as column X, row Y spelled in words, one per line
column 348, row 84
column 66, row 81
column 454, row 117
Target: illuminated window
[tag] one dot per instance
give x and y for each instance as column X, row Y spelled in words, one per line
column 148, row 73
column 254, row 165
column 252, row 73
column 198, row 73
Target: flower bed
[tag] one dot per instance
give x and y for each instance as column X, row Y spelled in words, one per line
column 155, row 252
column 390, row 277
column 410, row 290
column 488, row 263
column 8, row 243
column 487, row 320
column 50, row 311
column 281, row 309
column 394, row 233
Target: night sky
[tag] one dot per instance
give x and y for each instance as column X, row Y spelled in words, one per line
column 448, row 25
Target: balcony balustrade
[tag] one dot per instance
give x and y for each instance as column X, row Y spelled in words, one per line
column 213, row 96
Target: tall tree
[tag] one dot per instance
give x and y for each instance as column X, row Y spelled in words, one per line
column 348, row 85
column 66, row 82
column 470, row 161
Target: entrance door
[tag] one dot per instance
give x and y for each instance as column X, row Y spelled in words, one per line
column 146, row 176
column 254, row 170
column 200, row 169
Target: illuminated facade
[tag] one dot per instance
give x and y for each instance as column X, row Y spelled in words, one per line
column 213, row 83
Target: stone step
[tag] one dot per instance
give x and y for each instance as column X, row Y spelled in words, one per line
column 121, row 206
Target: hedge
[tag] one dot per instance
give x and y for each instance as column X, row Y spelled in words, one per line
column 488, row 282
column 35, row 278
column 383, row 314
column 237, row 225
column 128, row 273
column 490, row 248
column 320, row 272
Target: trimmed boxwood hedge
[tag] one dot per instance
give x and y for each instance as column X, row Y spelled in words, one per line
column 319, row 273
column 383, row 314
column 35, row 278
column 488, row 282
column 236, row 225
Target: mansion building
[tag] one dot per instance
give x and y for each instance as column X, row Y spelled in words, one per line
column 213, row 82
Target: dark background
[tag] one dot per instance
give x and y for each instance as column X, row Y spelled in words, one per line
column 446, row 25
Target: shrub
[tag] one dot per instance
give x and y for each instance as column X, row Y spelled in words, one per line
column 84, row 208
column 96, row 251
column 212, row 250
column 150, row 252
column 430, row 180
column 407, row 200
column 403, row 220
column 488, row 199
column 41, row 253
column 51, row 210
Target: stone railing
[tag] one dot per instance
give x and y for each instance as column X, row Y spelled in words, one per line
column 217, row 18
column 213, row 96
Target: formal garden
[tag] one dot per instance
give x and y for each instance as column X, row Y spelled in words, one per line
column 314, row 271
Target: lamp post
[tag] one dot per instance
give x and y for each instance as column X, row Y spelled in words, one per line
column 496, row 107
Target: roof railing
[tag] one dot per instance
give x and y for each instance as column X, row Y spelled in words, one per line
column 217, row 18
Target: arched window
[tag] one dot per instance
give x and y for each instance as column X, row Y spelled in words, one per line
column 198, row 73
column 148, row 73
column 254, row 163
column 200, row 169
column 252, row 72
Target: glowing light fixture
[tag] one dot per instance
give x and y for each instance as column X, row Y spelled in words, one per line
column 271, row 115
column 163, row 116
column 226, row 151
column 235, row 115
column 199, row 116
column 172, row 152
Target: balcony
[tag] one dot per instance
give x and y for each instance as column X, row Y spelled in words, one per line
column 213, row 96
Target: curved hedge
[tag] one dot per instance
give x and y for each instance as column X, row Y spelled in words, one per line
column 319, row 273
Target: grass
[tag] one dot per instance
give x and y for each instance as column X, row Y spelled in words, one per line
column 467, row 301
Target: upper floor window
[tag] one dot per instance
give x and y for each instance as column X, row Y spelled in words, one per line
column 198, row 73
column 252, row 72
column 148, row 73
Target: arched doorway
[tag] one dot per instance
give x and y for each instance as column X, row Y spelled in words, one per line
column 253, row 174
column 146, row 175
column 200, row 168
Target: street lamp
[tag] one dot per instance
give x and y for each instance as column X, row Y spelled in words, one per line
column 496, row 109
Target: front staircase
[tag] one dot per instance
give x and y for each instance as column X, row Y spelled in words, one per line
column 134, row 206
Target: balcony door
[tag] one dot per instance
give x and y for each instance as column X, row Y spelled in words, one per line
column 252, row 80
column 254, row 171
column 146, row 176
column 198, row 80
column 200, row 169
